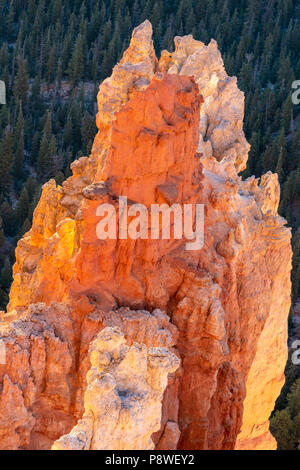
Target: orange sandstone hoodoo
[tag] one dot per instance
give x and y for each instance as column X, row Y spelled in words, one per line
column 169, row 131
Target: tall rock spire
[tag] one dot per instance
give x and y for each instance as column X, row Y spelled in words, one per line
column 168, row 133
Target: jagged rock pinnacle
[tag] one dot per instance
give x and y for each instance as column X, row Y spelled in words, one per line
column 169, row 131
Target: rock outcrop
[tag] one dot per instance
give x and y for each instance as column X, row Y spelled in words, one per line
column 169, row 132
column 122, row 402
column 44, row 376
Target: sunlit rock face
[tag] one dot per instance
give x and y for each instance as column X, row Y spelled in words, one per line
column 169, row 131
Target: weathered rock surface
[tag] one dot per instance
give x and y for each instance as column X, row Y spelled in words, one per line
column 170, row 131
column 122, row 402
column 47, row 361
column 221, row 116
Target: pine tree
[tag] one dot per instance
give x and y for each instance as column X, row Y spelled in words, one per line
column 25, row 228
column 68, row 132
column 286, row 118
column 59, row 178
column 295, row 150
column 21, row 85
column 8, row 216
column 285, row 424
column 88, row 129
column 10, row 21
column 6, row 278
column 281, row 427
column 53, row 165
column 19, row 138
column 22, row 207
column 76, row 67
column 6, row 160
column 282, row 155
column 279, row 167
column 35, row 146
column 4, row 57
column 36, row 99
column 51, row 65
column 44, row 155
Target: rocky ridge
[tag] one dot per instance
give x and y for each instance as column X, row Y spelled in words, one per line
column 121, row 410
column 170, row 131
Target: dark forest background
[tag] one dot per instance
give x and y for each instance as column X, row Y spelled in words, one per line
column 55, row 53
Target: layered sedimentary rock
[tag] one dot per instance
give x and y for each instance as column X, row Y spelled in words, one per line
column 122, row 402
column 47, row 361
column 169, row 132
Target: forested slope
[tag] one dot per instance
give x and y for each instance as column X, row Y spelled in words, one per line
column 54, row 54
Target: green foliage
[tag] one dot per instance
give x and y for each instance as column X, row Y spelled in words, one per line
column 6, row 278
column 6, row 160
column 54, row 55
column 285, row 423
column 21, row 84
